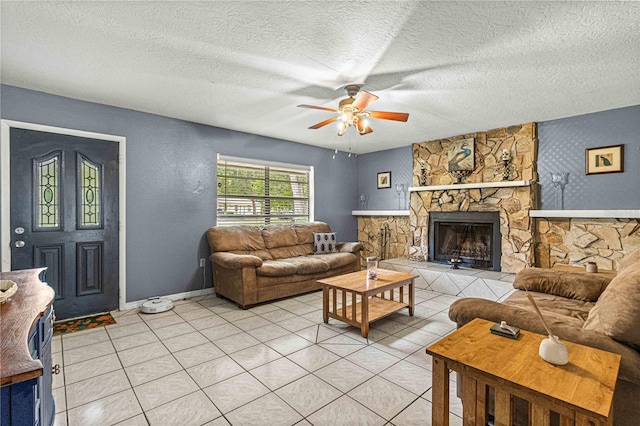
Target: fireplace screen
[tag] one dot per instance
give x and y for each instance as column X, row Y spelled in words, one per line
column 468, row 237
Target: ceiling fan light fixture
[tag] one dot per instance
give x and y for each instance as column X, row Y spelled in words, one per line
column 352, row 112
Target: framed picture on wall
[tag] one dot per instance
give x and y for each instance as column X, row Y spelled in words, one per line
column 384, row 180
column 605, row 159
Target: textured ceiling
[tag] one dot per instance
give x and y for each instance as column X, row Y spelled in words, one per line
column 455, row 67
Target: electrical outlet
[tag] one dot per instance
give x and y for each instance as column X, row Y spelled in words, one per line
column 202, row 260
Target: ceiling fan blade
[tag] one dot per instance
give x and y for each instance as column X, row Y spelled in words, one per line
column 385, row 115
column 363, row 100
column 363, row 127
column 318, row 107
column 324, row 123
column 343, row 128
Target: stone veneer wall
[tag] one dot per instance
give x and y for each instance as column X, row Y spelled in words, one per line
column 369, row 236
column 577, row 241
column 513, row 203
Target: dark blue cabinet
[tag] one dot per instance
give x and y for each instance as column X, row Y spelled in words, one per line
column 26, row 397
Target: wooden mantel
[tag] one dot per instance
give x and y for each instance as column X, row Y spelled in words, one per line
column 499, row 184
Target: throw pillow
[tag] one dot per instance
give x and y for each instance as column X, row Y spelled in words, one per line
column 617, row 312
column 324, row 242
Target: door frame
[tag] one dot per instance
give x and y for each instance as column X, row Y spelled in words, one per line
column 5, row 192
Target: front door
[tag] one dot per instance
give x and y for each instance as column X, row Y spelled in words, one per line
column 64, row 215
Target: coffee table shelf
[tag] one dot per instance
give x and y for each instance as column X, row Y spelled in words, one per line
column 362, row 301
column 378, row 308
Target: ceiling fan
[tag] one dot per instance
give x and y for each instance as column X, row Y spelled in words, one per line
column 352, row 111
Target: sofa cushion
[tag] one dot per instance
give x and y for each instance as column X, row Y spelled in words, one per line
column 337, row 260
column 306, row 265
column 276, row 268
column 279, row 236
column 239, row 238
column 573, row 308
column 617, row 312
column 324, row 242
column 304, row 231
column 573, row 285
column 630, row 260
column 291, row 251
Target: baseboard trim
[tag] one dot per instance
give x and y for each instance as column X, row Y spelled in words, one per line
column 176, row 296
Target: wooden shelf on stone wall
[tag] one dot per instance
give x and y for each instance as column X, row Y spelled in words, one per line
column 593, row 214
column 380, row 212
column 499, row 184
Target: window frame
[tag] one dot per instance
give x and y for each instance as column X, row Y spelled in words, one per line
column 266, row 164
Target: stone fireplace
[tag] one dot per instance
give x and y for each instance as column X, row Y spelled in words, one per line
column 470, row 237
column 483, row 191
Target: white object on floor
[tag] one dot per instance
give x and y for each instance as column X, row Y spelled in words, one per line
column 156, row 305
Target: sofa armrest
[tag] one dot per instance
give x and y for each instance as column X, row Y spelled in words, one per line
column 572, row 285
column 349, row 247
column 236, row 261
column 465, row 310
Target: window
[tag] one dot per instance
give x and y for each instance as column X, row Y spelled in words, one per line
column 252, row 192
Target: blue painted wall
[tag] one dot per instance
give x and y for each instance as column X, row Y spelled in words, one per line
column 399, row 162
column 562, row 145
column 171, row 182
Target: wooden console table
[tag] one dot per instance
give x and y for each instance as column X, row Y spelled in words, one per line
column 581, row 392
column 368, row 300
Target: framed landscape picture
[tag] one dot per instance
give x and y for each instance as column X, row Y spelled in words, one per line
column 384, row 180
column 606, row 159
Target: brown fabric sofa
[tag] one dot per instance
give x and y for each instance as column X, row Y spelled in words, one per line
column 581, row 308
column 253, row 264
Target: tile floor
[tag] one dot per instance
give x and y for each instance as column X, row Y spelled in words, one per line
column 207, row 362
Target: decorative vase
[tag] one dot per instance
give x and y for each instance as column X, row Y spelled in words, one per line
column 554, row 351
column 372, row 268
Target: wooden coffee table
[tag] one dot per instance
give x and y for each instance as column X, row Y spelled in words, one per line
column 364, row 301
column 580, row 391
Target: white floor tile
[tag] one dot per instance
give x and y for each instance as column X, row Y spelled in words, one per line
column 214, row 371
column 151, row 370
column 194, row 409
column 383, row 397
column 110, row 410
column 95, row 388
column 308, row 394
column 198, row 355
column 344, row 375
column 235, row 392
column 161, row 391
column 345, row 412
column 268, row 410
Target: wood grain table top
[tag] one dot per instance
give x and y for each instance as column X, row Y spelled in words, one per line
column 357, row 281
column 17, row 316
column 586, row 382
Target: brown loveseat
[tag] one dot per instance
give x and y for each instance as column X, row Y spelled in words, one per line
column 253, row 264
column 581, row 308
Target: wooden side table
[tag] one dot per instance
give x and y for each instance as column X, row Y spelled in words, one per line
column 580, row 270
column 581, row 391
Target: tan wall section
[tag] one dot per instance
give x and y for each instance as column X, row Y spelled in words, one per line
column 577, row 241
column 369, row 235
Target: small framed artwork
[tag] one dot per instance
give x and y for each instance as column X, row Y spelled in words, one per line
column 605, row 159
column 384, row 180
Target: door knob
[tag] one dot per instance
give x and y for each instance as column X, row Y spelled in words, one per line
column 19, row 244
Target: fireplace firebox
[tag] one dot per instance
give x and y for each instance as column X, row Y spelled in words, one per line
column 471, row 237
